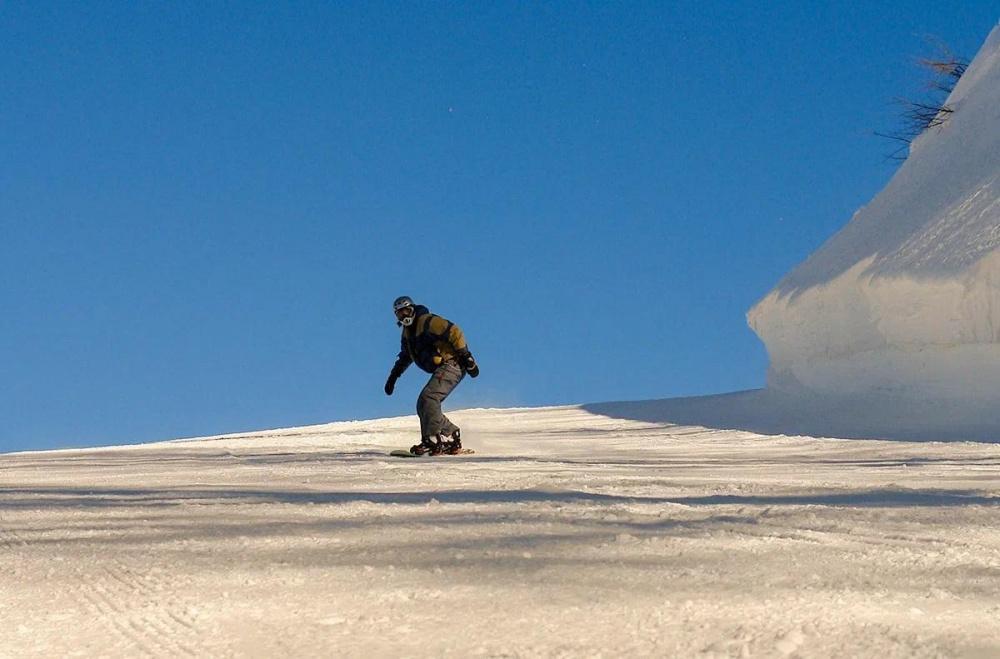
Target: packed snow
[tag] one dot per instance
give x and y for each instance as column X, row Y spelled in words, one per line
column 605, row 530
column 905, row 300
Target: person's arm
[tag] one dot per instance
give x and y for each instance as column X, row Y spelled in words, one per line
column 465, row 359
column 403, row 361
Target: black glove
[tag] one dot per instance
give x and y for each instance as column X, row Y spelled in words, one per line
column 390, row 384
column 469, row 364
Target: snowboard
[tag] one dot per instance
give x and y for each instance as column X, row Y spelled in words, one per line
column 404, row 453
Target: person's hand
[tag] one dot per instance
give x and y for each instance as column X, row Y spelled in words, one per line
column 470, row 365
column 390, row 385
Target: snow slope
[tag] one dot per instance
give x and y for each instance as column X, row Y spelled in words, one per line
column 905, row 299
column 568, row 533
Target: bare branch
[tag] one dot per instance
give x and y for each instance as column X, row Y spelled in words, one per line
column 918, row 116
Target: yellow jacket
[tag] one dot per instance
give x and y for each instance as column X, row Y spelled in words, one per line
column 429, row 342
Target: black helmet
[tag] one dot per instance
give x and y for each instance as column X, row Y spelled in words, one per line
column 404, row 310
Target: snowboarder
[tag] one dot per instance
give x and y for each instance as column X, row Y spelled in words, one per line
column 437, row 346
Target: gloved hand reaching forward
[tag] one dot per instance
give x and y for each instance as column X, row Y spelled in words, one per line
column 390, row 384
column 469, row 364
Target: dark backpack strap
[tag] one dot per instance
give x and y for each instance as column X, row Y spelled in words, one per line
column 443, row 336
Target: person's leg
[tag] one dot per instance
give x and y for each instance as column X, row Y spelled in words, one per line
column 432, row 419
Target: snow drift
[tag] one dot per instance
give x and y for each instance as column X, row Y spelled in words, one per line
column 905, row 300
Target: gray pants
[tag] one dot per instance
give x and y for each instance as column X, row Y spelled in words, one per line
column 443, row 382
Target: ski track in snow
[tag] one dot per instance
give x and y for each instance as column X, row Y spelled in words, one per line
column 567, row 534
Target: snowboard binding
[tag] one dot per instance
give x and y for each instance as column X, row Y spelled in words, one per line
column 440, row 444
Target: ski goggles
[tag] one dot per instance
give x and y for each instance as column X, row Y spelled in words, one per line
column 404, row 312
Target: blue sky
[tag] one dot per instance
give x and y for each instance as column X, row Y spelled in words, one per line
column 205, row 212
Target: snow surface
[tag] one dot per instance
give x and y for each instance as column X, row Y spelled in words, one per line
column 573, row 531
column 905, row 299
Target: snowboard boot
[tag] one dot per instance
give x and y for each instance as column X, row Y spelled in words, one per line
column 425, row 447
column 440, row 445
column 455, row 445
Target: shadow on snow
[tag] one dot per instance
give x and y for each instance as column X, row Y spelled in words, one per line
column 63, row 497
column 772, row 413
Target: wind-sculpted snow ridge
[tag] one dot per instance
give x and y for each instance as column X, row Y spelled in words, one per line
column 905, row 300
column 633, row 531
